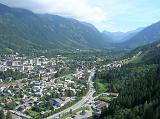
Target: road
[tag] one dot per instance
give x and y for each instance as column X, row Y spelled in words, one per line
column 80, row 103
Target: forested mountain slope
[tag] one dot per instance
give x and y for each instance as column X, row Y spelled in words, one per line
column 139, row 98
column 138, row 84
column 24, row 31
column 148, row 54
column 148, row 35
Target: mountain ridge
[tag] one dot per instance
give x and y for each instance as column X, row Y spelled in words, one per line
column 24, row 31
column 146, row 36
column 118, row 37
column 44, row 31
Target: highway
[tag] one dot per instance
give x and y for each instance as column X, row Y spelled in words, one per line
column 80, row 103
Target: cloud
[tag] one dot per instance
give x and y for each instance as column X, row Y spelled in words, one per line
column 78, row 9
column 112, row 15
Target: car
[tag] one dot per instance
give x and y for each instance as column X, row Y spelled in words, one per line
column 73, row 116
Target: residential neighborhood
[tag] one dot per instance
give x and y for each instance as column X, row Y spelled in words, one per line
column 46, row 84
column 40, row 87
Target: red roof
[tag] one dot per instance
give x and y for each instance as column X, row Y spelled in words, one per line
column 102, row 104
column 64, row 98
column 114, row 94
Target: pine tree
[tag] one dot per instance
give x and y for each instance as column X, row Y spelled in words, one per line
column 2, row 116
column 8, row 115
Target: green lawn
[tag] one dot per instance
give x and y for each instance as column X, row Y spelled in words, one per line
column 104, row 98
column 74, row 112
column 101, row 86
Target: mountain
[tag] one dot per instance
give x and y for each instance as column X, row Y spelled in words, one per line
column 24, row 31
column 146, row 36
column 122, row 36
column 147, row 54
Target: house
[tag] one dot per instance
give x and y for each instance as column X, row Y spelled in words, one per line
column 9, row 63
column 65, row 98
column 114, row 94
column 36, row 88
column 2, row 88
column 8, row 100
column 57, row 102
column 1, row 80
column 110, row 94
column 101, row 105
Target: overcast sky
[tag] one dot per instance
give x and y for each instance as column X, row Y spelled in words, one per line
column 111, row 15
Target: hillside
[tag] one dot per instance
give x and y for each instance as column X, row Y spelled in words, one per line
column 138, row 85
column 148, row 54
column 24, row 31
column 139, row 95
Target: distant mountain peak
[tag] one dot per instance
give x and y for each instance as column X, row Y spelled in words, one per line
column 145, row 36
column 122, row 36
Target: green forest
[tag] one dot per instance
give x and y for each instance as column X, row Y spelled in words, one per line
column 138, row 99
column 11, row 75
column 138, row 85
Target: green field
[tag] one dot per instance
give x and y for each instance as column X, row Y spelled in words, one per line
column 101, row 86
column 104, row 98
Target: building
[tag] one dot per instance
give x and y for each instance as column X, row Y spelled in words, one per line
column 101, row 105
column 64, row 98
column 114, row 94
column 57, row 102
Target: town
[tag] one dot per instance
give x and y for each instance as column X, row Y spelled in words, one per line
column 40, row 87
column 79, row 59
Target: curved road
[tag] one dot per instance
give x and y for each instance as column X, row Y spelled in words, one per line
column 80, row 103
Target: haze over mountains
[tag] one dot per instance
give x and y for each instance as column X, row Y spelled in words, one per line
column 122, row 36
column 146, row 36
column 23, row 30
